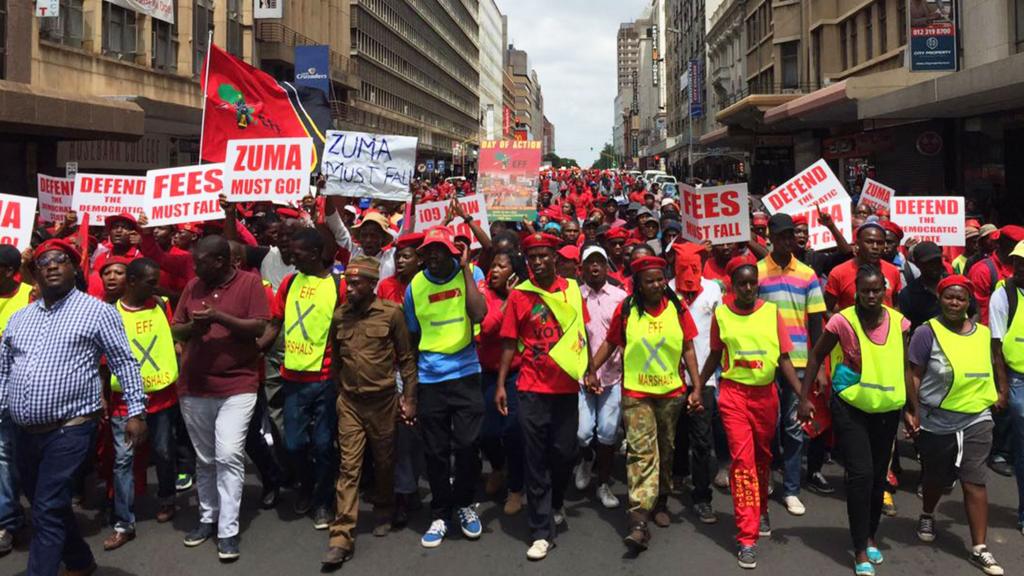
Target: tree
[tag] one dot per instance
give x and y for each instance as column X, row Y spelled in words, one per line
column 607, row 158
column 558, row 162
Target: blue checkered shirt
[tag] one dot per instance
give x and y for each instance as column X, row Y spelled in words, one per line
column 50, row 359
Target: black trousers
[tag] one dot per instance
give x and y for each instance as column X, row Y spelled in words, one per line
column 866, row 442
column 549, row 423
column 693, row 447
column 450, row 414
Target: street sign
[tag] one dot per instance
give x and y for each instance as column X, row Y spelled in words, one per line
column 430, row 165
column 440, row 166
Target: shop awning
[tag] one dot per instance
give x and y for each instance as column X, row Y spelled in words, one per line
column 36, row 111
column 983, row 89
column 824, row 107
column 750, row 110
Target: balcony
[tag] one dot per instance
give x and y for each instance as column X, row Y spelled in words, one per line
column 746, row 107
column 279, row 42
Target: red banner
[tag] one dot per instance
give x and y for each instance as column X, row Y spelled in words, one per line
column 508, row 176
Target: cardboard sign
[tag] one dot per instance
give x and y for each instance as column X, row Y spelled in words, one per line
column 720, row 214
column 509, row 173
column 938, row 219
column 54, row 197
column 815, row 188
column 268, row 169
column 876, row 195
column 185, row 194
column 361, row 165
column 17, row 217
column 102, row 195
column 430, row 214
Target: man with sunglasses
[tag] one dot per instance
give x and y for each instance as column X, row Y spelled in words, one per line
column 49, row 370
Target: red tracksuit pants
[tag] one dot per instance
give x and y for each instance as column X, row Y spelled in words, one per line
column 749, row 415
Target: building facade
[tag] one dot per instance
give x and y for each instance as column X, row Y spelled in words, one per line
column 492, row 69
column 686, row 63
column 548, row 146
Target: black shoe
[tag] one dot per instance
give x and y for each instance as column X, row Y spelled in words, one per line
column 1001, row 467
column 227, row 549
column 705, row 512
column 321, row 518
column 200, row 534
column 335, row 557
column 303, row 504
column 401, row 515
column 818, row 484
column 764, row 527
column 268, row 500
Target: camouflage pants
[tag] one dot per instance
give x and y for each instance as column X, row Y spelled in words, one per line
column 651, row 434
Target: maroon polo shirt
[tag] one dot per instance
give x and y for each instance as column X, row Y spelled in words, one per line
column 218, row 363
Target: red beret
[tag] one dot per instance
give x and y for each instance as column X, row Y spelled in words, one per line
column 882, row 213
column 760, row 219
column 893, row 227
column 738, row 262
column 954, row 280
column 569, row 253
column 800, row 220
column 122, row 217
column 288, row 212
column 193, row 227
column 541, row 240
column 648, row 263
column 1015, row 233
column 58, row 244
column 410, row 240
column 115, row 260
column 617, row 233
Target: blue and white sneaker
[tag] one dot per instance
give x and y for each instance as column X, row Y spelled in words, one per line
column 435, row 534
column 470, row 523
column 874, row 555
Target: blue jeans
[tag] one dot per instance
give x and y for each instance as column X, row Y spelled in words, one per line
column 599, row 416
column 162, row 428
column 11, row 516
column 792, row 435
column 310, row 426
column 500, row 436
column 1017, row 415
column 124, row 481
column 46, row 464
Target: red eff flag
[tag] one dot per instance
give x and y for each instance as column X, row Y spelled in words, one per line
column 244, row 102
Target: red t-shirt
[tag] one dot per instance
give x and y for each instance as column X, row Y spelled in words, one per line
column 278, row 309
column 981, row 278
column 528, row 320
column 159, row 400
column 842, row 283
column 95, row 282
column 176, row 267
column 218, row 363
column 616, row 337
column 391, row 288
column 712, row 271
column 785, row 344
column 489, row 343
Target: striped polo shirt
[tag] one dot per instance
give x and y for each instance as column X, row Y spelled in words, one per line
column 796, row 291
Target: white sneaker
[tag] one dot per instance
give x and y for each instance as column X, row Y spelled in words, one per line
column 559, row 517
column 538, row 550
column 608, row 500
column 581, row 475
column 794, row 506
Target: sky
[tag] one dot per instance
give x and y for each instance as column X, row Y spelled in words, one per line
column 571, row 44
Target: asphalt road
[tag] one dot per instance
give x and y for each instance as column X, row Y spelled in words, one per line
column 277, row 542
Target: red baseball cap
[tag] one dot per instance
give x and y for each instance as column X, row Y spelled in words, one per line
column 122, row 217
column 442, row 236
column 569, row 252
column 1013, row 232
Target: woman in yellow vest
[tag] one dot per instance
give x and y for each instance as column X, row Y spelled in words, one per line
column 869, row 388
column 750, row 344
column 655, row 331
column 949, row 411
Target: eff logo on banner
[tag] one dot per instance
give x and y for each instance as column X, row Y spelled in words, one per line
column 720, row 214
column 17, row 216
column 186, row 194
column 54, row 197
column 938, row 219
column 814, row 189
column 369, row 165
column 268, row 169
column 102, row 195
column 430, row 214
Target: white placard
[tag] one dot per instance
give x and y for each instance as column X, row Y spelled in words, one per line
column 54, row 197
column 47, row 8
column 938, row 219
column 17, row 217
column 159, row 9
column 267, row 9
column 102, row 195
column 812, row 189
column 185, row 194
column 268, row 169
column 361, row 165
column 720, row 214
column 430, row 214
column 876, row 195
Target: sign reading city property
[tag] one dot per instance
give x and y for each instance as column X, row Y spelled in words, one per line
column 17, row 216
column 932, row 36
column 430, row 214
column 507, row 176
column 268, row 169
column 876, row 195
column 102, row 195
column 720, row 214
column 362, row 165
column 184, row 194
column 938, row 219
column 813, row 190
column 54, row 197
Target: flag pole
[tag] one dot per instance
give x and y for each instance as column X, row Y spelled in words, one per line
column 206, row 85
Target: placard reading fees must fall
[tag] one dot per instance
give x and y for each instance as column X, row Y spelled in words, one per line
column 268, row 169
column 720, row 214
column 938, row 219
column 184, row 194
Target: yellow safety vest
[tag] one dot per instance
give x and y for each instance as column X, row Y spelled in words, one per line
column 149, row 336
column 974, row 387
column 882, row 385
column 13, row 303
column 570, row 352
column 1013, row 340
column 308, row 309
column 445, row 327
column 958, row 264
column 752, row 342
column 654, row 349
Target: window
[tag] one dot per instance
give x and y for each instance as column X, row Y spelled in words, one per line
column 119, row 29
column 68, row 28
column 844, row 48
column 3, row 38
column 235, row 27
column 790, row 65
column 1019, row 5
column 853, row 41
column 165, row 43
column 901, row 21
column 883, row 28
column 869, row 40
column 202, row 25
column 816, row 48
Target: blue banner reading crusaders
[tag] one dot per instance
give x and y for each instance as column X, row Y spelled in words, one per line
column 312, row 67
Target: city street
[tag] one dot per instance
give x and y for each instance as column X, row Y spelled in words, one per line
column 276, row 542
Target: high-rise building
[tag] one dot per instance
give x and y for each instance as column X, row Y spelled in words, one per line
column 524, row 91
column 548, row 145
column 492, row 69
column 627, row 54
column 418, row 62
column 686, row 61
